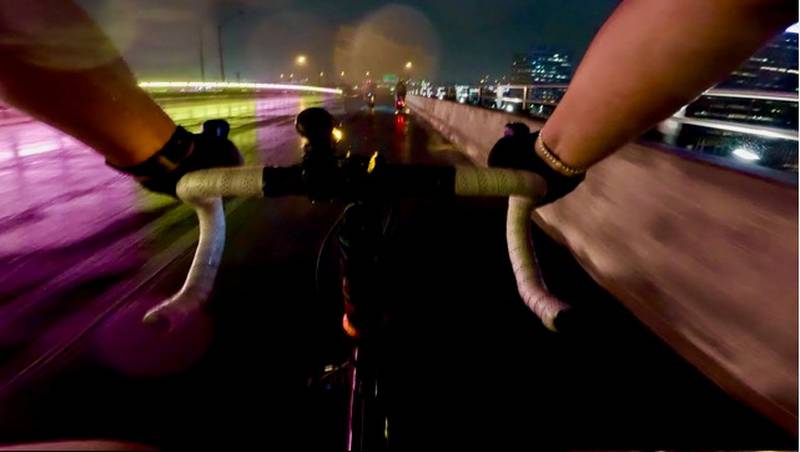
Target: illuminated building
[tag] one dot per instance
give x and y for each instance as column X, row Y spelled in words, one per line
column 541, row 65
column 772, row 68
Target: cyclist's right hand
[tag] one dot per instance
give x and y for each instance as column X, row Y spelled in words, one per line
column 186, row 152
column 516, row 150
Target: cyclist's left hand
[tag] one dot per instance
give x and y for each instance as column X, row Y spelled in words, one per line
column 186, row 152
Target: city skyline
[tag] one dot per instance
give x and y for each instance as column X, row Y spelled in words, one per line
column 542, row 65
column 771, row 68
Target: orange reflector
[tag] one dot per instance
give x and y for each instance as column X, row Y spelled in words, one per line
column 349, row 329
column 372, row 161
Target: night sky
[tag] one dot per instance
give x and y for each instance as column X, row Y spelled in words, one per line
column 448, row 40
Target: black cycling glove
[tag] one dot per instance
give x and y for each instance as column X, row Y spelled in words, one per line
column 516, row 150
column 183, row 153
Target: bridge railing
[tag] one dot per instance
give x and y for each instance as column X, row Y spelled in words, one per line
column 753, row 130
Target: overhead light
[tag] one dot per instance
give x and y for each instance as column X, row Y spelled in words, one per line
column 235, row 85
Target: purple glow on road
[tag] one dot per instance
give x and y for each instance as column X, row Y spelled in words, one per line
column 55, row 191
column 74, row 233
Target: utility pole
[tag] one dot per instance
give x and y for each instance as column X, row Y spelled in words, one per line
column 219, row 40
column 202, row 56
column 221, row 58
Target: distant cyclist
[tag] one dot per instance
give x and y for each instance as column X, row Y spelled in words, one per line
column 400, row 91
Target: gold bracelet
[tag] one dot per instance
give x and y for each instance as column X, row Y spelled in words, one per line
column 553, row 161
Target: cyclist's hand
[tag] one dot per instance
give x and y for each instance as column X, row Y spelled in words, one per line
column 515, row 150
column 186, row 152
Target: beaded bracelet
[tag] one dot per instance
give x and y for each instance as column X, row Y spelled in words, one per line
column 545, row 153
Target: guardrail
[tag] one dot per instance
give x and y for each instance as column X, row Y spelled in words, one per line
column 520, row 98
column 758, row 128
column 512, row 98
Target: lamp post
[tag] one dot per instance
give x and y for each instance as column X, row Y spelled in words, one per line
column 409, row 65
column 202, row 59
column 300, row 61
column 219, row 40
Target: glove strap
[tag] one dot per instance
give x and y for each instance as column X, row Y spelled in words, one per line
column 179, row 146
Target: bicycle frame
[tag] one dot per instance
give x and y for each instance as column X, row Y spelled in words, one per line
column 360, row 241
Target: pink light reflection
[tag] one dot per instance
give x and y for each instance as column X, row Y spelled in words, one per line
column 56, row 191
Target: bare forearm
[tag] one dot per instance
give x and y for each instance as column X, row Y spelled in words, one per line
column 650, row 58
column 58, row 66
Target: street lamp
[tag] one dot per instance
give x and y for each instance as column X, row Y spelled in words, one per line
column 300, row 61
column 408, row 67
column 219, row 40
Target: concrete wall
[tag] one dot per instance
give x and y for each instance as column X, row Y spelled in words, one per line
column 705, row 256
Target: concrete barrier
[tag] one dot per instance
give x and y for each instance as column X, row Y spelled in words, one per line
column 703, row 255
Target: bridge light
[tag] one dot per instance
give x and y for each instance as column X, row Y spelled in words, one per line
column 746, row 154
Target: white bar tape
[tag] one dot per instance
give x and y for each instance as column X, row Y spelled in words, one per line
column 200, row 280
column 203, row 191
column 474, row 181
column 213, row 183
column 523, row 262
